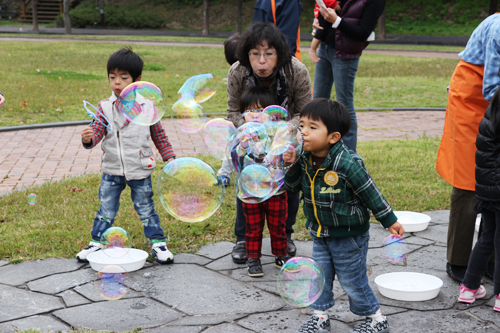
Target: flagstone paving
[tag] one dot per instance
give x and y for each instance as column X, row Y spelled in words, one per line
column 207, row 292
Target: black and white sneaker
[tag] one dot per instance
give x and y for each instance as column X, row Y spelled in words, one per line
column 316, row 324
column 371, row 326
column 160, row 252
column 254, row 268
column 93, row 247
column 280, row 261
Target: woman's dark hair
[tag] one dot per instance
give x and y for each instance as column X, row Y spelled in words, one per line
column 231, row 47
column 126, row 60
column 256, row 96
column 494, row 114
column 259, row 32
column 333, row 114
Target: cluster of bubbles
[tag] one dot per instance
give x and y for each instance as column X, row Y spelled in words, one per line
column 190, row 115
column 142, row 103
column 32, row 199
column 111, row 282
column 394, row 248
column 256, row 152
column 188, row 189
column 300, row 281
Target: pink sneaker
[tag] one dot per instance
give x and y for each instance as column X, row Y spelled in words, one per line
column 497, row 304
column 470, row 295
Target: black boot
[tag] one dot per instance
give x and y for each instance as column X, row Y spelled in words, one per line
column 239, row 253
column 457, row 273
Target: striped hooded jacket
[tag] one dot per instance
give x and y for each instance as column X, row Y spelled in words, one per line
column 338, row 196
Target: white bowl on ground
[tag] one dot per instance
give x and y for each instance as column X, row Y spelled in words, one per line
column 133, row 260
column 413, row 221
column 408, row 286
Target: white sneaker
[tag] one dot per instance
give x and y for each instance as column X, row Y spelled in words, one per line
column 93, row 247
column 160, row 252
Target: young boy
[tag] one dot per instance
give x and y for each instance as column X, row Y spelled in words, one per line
column 337, row 208
column 127, row 159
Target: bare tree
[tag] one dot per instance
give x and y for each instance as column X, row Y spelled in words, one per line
column 35, row 16
column 239, row 18
column 381, row 26
column 67, row 20
column 206, row 30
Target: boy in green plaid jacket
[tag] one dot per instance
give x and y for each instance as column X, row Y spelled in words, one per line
column 338, row 195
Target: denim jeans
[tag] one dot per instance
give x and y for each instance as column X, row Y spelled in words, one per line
column 142, row 196
column 346, row 258
column 342, row 72
column 293, row 203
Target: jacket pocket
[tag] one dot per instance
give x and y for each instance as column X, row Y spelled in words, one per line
column 343, row 209
column 147, row 158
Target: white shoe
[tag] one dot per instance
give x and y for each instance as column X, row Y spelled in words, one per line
column 162, row 255
column 93, row 247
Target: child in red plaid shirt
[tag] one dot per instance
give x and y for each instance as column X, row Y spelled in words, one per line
column 275, row 208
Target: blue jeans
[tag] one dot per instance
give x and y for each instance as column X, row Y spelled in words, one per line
column 345, row 257
column 342, row 72
column 142, row 196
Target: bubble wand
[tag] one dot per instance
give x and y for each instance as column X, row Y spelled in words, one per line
column 93, row 116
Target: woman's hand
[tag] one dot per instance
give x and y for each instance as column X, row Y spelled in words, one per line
column 329, row 14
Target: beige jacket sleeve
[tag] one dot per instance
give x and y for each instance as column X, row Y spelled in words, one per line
column 235, row 87
column 301, row 90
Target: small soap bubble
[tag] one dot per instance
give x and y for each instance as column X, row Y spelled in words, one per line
column 216, row 134
column 32, row 199
column 188, row 189
column 300, row 281
column 394, row 248
column 111, row 282
column 142, row 103
column 190, row 116
column 117, row 242
column 200, row 87
column 256, row 181
column 276, row 113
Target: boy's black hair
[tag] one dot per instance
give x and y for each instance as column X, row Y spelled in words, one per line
column 126, row 60
column 333, row 114
column 256, row 96
column 231, row 47
column 259, row 32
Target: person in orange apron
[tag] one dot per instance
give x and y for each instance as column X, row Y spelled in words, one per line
column 473, row 83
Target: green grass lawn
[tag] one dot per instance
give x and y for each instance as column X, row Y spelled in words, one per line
column 47, row 82
column 59, row 224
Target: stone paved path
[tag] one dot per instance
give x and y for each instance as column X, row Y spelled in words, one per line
column 207, row 292
column 32, row 157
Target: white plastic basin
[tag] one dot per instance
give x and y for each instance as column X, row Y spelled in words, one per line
column 132, row 261
column 408, row 286
column 412, row 221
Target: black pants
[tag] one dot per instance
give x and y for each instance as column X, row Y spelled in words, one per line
column 461, row 227
column 293, row 208
column 487, row 244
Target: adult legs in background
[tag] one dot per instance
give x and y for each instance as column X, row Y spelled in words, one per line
column 460, row 232
column 323, row 76
column 344, row 74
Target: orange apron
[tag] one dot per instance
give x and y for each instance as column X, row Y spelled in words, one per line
column 456, row 158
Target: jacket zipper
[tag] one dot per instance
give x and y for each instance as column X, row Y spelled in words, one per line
column 312, row 196
column 120, row 148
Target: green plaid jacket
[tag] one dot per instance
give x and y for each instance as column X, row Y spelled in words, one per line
column 338, row 202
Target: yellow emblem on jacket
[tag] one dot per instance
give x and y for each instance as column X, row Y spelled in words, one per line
column 331, row 178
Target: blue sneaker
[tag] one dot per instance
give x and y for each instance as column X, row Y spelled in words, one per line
column 223, row 181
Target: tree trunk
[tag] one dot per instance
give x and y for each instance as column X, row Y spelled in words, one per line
column 67, row 20
column 381, row 26
column 206, row 30
column 239, row 15
column 35, row 16
column 493, row 6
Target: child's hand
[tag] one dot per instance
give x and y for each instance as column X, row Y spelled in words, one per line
column 397, row 229
column 316, row 24
column 290, row 156
column 170, row 159
column 87, row 135
column 2, row 100
column 314, row 57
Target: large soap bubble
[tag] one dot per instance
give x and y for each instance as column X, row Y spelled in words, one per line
column 191, row 116
column 276, row 113
column 216, row 134
column 200, row 87
column 188, row 189
column 300, row 281
column 256, row 180
column 142, row 103
column 117, row 242
column 111, row 282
